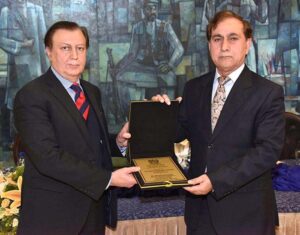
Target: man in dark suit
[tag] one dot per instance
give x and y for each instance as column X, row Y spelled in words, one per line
column 68, row 170
column 234, row 121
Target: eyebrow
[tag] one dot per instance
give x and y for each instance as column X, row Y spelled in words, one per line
column 221, row 36
column 68, row 44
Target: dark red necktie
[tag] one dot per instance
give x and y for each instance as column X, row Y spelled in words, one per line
column 80, row 100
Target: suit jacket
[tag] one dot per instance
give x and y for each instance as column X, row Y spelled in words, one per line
column 61, row 179
column 239, row 154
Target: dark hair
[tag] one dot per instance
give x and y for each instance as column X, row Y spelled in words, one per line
column 68, row 25
column 222, row 15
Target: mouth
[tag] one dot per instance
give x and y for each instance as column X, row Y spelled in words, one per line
column 225, row 57
column 74, row 65
column 152, row 17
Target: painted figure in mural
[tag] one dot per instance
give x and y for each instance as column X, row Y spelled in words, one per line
column 154, row 53
column 234, row 120
column 22, row 28
column 68, row 169
column 251, row 10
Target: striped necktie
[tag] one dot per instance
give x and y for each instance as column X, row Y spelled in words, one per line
column 81, row 102
column 218, row 101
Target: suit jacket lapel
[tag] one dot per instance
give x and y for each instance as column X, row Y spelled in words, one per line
column 94, row 102
column 58, row 91
column 207, row 93
column 235, row 100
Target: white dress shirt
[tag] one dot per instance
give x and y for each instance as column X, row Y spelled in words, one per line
column 228, row 85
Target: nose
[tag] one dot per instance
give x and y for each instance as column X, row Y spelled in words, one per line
column 225, row 45
column 153, row 10
column 74, row 53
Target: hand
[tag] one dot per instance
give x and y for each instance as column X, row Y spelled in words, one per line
column 164, row 99
column 164, row 67
column 28, row 43
column 123, row 136
column 123, row 177
column 201, row 185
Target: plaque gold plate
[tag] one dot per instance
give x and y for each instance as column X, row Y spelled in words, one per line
column 157, row 172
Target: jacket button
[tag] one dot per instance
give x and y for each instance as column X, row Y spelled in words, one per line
column 210, row 146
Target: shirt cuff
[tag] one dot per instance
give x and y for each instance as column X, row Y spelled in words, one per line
column 107, row 186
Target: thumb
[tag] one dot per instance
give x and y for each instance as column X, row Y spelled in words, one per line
column 126, row 135
column 194, row 181
column 179, row 99
column 133, row 169
column 126, row 126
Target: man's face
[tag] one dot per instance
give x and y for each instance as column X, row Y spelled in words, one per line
column 150, row 11
column 68, row 53
column 228, row 45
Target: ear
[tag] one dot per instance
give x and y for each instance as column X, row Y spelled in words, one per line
column 48, row 52
column 248, row 44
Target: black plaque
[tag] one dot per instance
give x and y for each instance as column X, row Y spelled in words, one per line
column 153, row 129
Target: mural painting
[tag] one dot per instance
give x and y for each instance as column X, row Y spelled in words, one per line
column 142, row 47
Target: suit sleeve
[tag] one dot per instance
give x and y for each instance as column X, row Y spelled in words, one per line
column 268, row 136
column 33, row 120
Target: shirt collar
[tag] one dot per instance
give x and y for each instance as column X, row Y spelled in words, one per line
column 234, row 75
column 66, row 83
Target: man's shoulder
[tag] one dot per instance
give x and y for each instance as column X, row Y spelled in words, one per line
column 90, row 87
column 264, row 82
column 32, row 90
column 37, row 83
column 32, row 86
column 88, row 84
